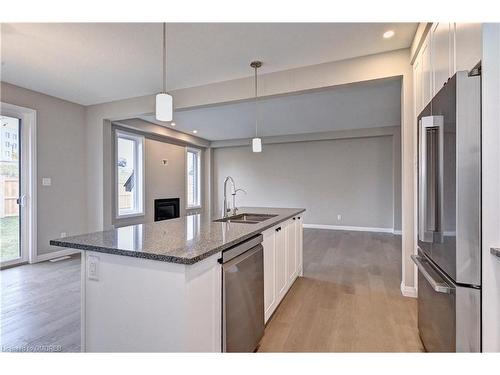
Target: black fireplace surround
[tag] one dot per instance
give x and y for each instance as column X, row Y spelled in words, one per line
column 166, row 209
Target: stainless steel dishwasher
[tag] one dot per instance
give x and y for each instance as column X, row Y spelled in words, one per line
column 243, row 296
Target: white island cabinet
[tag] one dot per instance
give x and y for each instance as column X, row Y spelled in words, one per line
column 282, row 261
column 143, row 305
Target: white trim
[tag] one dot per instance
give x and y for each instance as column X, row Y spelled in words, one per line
column 408, row 291
column 397, row 231
column 29, row 174
column 352, row 228
column 55, row 254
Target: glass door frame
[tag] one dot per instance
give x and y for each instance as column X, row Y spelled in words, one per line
column 27, row 182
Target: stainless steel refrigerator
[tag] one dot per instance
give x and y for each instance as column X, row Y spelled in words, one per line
column 449, row 218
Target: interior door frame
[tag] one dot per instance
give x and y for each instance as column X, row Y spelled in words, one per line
column 28, row 178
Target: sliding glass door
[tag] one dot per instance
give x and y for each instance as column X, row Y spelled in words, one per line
column 11, row 197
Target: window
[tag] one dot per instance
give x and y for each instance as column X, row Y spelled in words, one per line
column 129, row 174
column 193, row 178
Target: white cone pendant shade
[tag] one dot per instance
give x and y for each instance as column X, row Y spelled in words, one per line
column 164, row 107
column 256, row 145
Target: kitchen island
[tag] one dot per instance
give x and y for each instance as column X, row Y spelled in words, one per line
column 157, row 287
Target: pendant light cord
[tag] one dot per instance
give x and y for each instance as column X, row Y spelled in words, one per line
column 256, row 107
column 164, row 57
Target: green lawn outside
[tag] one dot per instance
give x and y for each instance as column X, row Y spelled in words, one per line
column 9, row 238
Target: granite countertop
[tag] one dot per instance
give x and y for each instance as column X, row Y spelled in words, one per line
column 185, row 240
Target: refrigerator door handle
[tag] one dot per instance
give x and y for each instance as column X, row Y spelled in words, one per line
column 427, row 174
column 439, row 287
column 422, row 199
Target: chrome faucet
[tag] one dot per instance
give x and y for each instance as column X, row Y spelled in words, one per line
column 234, row 199
column 226, row 208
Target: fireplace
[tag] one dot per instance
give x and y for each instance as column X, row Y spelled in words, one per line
column 166, row 209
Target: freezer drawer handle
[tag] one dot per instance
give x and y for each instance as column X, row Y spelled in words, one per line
column 437, row 286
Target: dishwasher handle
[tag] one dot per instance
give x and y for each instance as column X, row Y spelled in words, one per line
column 439, row 287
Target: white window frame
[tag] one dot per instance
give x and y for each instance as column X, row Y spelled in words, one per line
column 139, row 158
column 198, row 152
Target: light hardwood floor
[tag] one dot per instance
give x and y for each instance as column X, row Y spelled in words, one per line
column 40, row 307
column 348, row 301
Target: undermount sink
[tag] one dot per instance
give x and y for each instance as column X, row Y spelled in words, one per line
column 246, row 218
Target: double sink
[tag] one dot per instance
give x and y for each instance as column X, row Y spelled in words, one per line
column 247, row 218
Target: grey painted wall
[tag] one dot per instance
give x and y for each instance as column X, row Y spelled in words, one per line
column 61, row 155
column 351, row 177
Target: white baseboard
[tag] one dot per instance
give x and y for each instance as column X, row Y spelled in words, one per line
column 55, row 254
column 344, row 227
column 408, row 291
column 399, row 232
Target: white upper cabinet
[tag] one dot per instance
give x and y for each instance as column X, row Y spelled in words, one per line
column 417, row 85
column 446, row 49
column 426, row 72
column 468, row 44
column 442, row 54
column 422, row 76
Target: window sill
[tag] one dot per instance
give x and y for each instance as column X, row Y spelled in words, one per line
column 130, row 215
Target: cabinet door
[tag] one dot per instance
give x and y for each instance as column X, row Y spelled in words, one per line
column 281, row 261
column 291, row 269
column 269, row 273
column 468, row 45
column 298, row 244
column 441, row 45
column 426, row 84
column 417, row 84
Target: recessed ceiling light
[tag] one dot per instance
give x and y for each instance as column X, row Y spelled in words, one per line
column 389, row 34
column 195, row 131
column 172, row 123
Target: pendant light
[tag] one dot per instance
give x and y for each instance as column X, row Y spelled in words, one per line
column 256, row 142
column 164, row 101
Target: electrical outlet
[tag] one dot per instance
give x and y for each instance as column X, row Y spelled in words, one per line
column 46, row 181
column 93, row 267
column 339, row 217
column 63, row 234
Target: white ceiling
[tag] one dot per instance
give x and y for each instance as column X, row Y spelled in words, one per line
column 90, row 63
column 355, row 106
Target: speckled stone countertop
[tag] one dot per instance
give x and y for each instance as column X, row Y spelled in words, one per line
column 184, row 240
